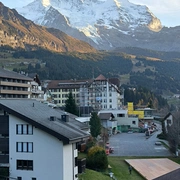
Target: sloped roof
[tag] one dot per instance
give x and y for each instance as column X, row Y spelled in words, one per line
column 38, row 114
column 105, row 116
column 70, row 84
column 11, row 74
column 100, row 78
column 114, row 81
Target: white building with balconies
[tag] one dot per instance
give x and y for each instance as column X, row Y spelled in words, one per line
column 40, row 143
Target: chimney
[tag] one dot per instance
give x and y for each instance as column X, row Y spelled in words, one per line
column 52, row 118
column 65, row 117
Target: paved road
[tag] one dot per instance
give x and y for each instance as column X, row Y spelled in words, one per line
column 136, row 144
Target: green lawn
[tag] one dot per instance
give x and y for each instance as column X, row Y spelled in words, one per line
column 119, row 168
column 93, row 175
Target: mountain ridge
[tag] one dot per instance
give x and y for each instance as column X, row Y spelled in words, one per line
column 104, row 24
column 18, row 32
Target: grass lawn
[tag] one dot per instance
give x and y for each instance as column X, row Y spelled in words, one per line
column 119, row 168
column 93, row 175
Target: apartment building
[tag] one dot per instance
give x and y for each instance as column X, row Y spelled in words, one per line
column 105, row 93
column 99, row 93
column 59, row 90
column 15, row 85
column 37, row 141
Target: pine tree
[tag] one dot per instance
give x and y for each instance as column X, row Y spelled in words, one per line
column 95, row 125
column 70, row 105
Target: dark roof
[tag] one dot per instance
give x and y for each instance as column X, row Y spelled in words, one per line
column 35, row 77
column 105, row 116
column 70, row 84
column 114, row 81
column 167, row 116
column 175, row 175
column 11, row 74
column 38, row 114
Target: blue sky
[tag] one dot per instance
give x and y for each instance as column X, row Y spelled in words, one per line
column 166, row 10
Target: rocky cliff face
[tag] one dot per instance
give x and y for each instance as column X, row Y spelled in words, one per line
column 18, row 32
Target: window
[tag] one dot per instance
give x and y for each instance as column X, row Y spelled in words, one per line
column 63, row 95
column 25, row 164
column 120, row 115
column 110, row 100
column 24, row 129
column 33, row 178
column 24, row 147
column 19, row 178
column 133, row 122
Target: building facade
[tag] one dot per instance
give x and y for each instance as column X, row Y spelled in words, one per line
column 105, row 93
column 99, row 93
column 15, row 85
column 124, row 121
column 37, row 141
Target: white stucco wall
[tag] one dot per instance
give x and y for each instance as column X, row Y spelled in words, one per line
column 68, row 164
column 170, row 118
column 122, row 120
column 128, row 121
column 49, row 161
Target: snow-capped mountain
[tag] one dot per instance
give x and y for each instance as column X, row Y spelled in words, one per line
column 105, row 24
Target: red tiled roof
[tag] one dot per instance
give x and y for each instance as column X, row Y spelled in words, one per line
column 100, row 78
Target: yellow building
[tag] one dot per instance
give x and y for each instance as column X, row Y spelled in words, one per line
column 131, row 111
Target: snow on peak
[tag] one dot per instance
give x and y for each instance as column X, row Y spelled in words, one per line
column 46, row 3
column 87, row 15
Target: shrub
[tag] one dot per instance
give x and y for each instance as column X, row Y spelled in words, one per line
column 97, row 158
column 89, row 144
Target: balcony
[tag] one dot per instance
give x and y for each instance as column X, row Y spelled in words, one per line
column 4, row 158
column 36, row 91
column 6, row 91
column 6, row 83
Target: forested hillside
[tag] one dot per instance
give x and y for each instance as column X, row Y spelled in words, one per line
column 77, row 66
column 158, row 75
column 142, row 96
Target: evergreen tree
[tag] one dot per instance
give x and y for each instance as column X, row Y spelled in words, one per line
column 37, row 66
column 70, row 105
column 95, row 125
